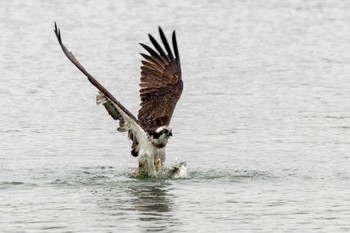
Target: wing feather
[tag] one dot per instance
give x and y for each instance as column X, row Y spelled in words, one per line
column 117, row 111
column 160, row 83
column 157, row 46
column 153, row 60
column 176, row 51
column 150, row 50
column 166, row 44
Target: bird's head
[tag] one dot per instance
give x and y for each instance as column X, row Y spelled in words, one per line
column 165, row 131
column 161, row 135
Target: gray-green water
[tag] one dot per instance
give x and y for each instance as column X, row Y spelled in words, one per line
column 263, row 122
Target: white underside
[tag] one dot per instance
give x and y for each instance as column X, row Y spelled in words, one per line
column 151, row 159
column 148, row 157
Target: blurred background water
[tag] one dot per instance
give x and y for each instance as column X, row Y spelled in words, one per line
column 263, row 122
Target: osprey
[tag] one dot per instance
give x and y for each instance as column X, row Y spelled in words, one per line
column 160, row 88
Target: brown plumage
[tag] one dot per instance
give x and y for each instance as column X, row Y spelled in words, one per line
column 160, row 83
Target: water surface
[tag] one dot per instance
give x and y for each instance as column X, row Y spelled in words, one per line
column 263, row 122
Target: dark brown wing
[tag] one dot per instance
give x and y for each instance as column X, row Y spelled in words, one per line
column 114, row 108
column 92, row 80
column 161, row 84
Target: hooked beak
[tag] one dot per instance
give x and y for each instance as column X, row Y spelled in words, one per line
column 169, row 133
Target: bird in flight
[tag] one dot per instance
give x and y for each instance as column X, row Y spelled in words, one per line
column 160, row 89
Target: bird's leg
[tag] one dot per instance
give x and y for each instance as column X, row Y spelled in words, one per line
column 151, row 171
column 157, row 164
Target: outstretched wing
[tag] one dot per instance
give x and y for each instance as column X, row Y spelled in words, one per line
column 160, row 84
column 114, row 108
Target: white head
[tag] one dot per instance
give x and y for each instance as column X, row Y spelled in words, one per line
column 165, row 130
column 161, row 135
